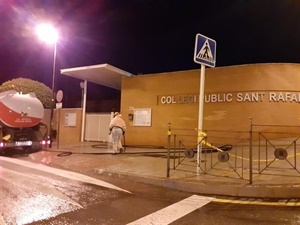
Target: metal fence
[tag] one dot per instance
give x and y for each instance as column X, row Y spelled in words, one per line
column 263, row 150
column 275, row 150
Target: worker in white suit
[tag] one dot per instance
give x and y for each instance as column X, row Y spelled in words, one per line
column 117, row 128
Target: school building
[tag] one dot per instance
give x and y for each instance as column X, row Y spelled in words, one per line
column 268, row 93
column 152, row 103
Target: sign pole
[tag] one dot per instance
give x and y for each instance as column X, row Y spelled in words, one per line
column 59, row 97
column 204, row 54
column 200, row 115
column 58, row 129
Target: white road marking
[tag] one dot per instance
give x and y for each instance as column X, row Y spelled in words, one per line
column 63, row 173
column 21, row 180
column 173, row 212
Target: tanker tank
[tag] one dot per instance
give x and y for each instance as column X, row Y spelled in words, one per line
column 20, row 123
column 20, row 110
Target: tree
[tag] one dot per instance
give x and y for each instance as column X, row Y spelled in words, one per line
column 24, row 85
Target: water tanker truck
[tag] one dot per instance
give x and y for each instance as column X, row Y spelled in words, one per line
column 20, row 123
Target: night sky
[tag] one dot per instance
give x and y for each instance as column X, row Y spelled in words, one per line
column 144, row 36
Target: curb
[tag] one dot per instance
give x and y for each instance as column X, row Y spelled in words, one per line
column 249, row 191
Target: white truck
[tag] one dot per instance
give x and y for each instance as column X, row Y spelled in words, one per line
column 20, row 123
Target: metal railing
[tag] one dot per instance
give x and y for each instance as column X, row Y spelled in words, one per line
column 274, row 150
column 235, row 154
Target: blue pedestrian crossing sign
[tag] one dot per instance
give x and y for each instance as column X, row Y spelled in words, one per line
column 205, row 51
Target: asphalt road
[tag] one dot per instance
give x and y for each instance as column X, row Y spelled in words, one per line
column 34, row 193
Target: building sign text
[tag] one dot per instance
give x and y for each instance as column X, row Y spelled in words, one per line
column 274, row 96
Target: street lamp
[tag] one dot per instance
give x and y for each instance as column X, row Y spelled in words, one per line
column 48, row 34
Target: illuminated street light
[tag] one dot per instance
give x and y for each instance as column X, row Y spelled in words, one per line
column 48, row 34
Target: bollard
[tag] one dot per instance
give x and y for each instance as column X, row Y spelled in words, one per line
column 169, row 143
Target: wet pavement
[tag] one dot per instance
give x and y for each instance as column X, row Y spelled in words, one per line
column 149, row 165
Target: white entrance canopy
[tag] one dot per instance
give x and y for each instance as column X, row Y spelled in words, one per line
column 103, row 74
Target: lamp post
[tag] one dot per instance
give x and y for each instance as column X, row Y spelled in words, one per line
column 48, row 34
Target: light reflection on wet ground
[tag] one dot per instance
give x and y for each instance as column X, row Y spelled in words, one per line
column 21, row 206
column 29, row 195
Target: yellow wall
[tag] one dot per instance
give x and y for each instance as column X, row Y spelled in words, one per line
column 145, row 91
column 69, row 129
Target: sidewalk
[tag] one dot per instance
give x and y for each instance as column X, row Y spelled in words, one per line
column 149, row 165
